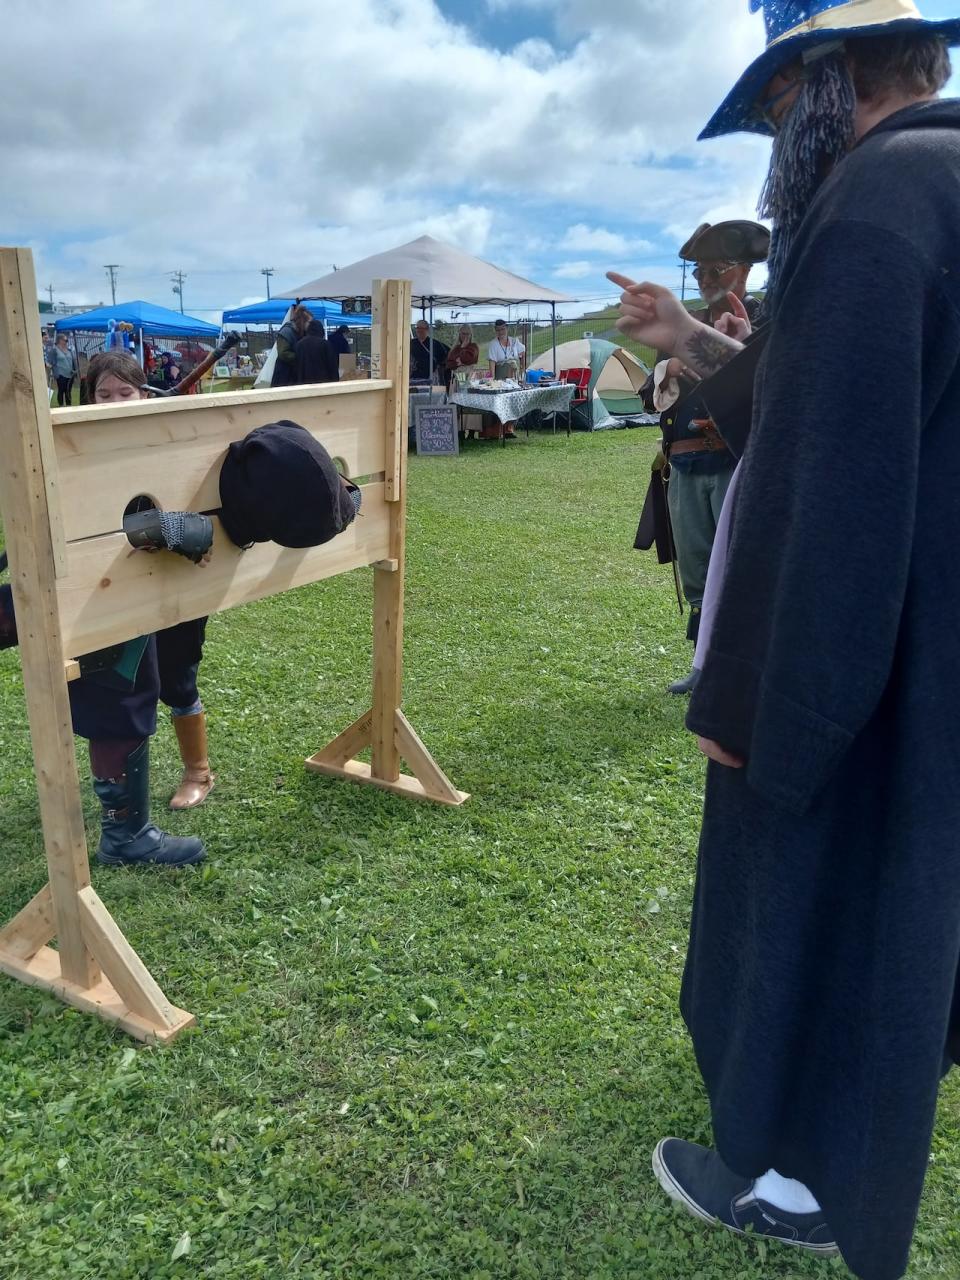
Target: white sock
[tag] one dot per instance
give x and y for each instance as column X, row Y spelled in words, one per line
column 785, row 1193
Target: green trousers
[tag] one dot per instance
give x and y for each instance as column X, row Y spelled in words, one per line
column 695, row 500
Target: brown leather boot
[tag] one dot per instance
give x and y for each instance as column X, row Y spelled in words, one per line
column 197, row 780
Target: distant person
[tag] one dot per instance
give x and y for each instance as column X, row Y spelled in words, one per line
column 64, row 370
column 505, row 355
column 291, row 331
column 339, row 341
column 503, row 351
column 464, row 354
column 421, row 365
column 316, row 359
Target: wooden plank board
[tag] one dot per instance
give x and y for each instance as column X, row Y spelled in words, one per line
column 173, row 449
column 29, row 527
column 112, row 593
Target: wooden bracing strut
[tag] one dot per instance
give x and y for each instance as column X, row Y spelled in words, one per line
column 77, row 587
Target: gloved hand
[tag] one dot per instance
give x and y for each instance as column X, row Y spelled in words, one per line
column 185, row 532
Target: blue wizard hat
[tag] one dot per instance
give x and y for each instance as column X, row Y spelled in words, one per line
column 796, row 25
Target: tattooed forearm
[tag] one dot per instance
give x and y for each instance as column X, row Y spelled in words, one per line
column 707, row 352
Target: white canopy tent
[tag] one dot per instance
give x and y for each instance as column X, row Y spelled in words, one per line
column 442, row 276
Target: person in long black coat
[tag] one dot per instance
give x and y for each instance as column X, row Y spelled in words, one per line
column 316, row 359
column 821, row 987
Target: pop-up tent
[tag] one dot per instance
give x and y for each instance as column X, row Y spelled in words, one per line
column 616, row 376
column 148, row 320
column 442, row 276
column 273, row 311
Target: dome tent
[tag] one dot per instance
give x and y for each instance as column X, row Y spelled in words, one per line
column 615, row 375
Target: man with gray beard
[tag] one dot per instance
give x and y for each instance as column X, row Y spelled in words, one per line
column 821, row 986
column 700, row 464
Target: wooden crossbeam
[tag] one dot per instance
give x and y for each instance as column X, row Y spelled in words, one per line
column 173, row 449
column 112, row 593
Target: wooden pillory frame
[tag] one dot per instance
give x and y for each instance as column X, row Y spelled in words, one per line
column 67, row 476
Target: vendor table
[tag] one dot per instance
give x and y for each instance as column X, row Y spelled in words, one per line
column 509, row 406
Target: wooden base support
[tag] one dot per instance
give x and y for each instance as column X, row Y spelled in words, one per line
column 428, row 782
column 125, row 993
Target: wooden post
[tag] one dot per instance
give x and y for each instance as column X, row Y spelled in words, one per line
column 385, row 729
column 33, row 529
column 26, row 489
column 391, row 309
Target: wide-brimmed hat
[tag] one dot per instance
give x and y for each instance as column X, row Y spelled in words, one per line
column 796, row 25
column 735, row 241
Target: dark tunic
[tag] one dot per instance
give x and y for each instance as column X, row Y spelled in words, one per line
column 316, row 360
column 420, row 357
column 825, row 941
column 285, row 366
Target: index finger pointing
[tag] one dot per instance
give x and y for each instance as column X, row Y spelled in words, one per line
column 623, row 281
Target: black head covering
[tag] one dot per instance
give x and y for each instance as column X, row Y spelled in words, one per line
column 738, row 241
column 280, row 485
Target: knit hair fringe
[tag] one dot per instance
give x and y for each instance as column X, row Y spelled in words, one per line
column 817, row 132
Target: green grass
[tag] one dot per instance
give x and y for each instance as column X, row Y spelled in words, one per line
column 432, row 1043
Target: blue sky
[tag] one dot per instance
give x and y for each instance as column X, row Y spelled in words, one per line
column 554, row 138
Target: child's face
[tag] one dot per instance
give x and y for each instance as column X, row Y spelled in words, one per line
column 113, row 390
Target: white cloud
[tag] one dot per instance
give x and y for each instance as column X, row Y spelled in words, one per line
column 574, row 270
column 316, row 134
column 599, row 240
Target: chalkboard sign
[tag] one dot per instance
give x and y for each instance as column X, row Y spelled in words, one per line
column 437, row 429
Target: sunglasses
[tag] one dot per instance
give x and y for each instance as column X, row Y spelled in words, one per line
column 762, row 111
column 709, row 275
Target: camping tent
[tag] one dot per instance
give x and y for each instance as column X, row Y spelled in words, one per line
column 616, row 376
column 442, row 276
column 147, row 320
column 273, row 311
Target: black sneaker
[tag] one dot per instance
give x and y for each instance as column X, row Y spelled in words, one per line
column 697, row 1178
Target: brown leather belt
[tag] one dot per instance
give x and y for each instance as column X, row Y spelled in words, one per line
column 698, row 444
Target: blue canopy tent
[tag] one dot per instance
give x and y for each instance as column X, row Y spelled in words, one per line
column 273, row 310
column 147, row 319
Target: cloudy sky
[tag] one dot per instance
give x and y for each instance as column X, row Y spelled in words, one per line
column 553, row 137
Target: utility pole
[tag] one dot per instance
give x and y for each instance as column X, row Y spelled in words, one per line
column 50, row 291
column 268, row 272
column 683, row 283
column 111, row 269
column 178, row 278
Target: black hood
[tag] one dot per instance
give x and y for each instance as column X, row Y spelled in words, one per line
column 942, row 113
column 279, row 484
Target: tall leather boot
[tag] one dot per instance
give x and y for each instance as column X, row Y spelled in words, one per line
column 197, row 780
column 127, row 836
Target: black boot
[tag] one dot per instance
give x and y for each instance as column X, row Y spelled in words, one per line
column 127, row 836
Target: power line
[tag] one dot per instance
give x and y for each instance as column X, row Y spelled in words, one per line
column 111, row 269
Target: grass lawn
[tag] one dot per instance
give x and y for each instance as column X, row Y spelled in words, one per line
column 432, row 1043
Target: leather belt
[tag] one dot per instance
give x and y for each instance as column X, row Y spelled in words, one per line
column 711, row 443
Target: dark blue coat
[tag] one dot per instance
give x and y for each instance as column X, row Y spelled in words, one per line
column 825, row 941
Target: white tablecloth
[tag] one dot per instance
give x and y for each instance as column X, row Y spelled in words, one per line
column 508, row 406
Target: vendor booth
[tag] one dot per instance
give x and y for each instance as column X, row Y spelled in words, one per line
column 442, row 276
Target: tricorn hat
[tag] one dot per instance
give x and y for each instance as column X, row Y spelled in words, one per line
column 795, row 26
column 279, row 484
column 738, row 241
